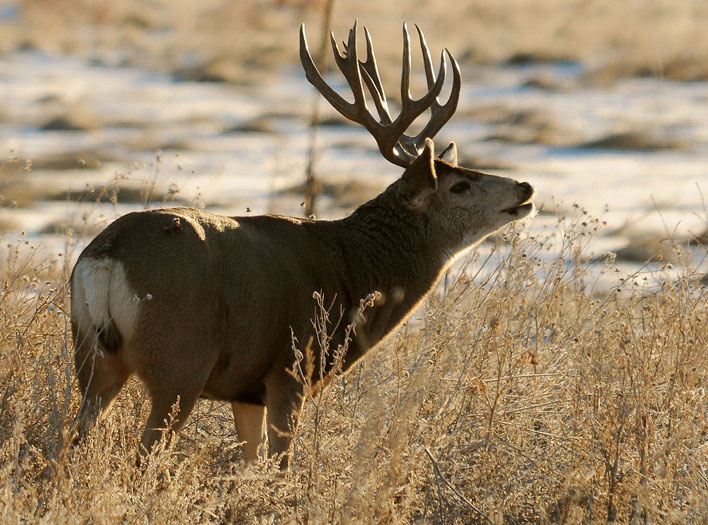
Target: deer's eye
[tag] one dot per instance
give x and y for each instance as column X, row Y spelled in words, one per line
column 460, row 187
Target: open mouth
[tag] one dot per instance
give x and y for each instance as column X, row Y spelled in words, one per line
column 521, row 209
column 524, row 207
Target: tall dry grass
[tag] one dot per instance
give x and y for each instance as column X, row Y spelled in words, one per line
column 519, row 393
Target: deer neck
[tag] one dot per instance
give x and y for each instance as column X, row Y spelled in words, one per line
column 390, row 250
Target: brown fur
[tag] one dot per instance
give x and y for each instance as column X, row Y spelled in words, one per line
column 216, row 300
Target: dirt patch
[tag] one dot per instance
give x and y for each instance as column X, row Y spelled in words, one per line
column 17, row 186
column 633, row 140
column 491, row 114
column 533, row 129
column 685, row 68
column 73, row 120
column 287, row 112
column 542, row 83
column 222, row 69
column 256, row 125
column 525, row 117
column 171, row 145
column 17, row 193
column 336, row 120
column 360, row 148
column 15, row 190
column 8, row 225
column 701, row 239
column 682, row 67
column 69, row 226
column 353, row 193
column 72, row 160
column 521, row 125
column 650, row 248
column 150, row 141
column 485, row 164
column 119, row 193
column 348, row 194
column 213, row 71
column 532, row 58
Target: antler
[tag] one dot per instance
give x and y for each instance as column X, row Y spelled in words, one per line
column 394, row 144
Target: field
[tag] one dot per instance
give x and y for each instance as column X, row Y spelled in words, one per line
column 558, row 374
column 512, row 399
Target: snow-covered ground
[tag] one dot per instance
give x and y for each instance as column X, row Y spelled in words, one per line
column 652, row 191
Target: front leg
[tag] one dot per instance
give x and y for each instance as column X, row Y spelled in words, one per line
column 249, row 425
column 284, row 397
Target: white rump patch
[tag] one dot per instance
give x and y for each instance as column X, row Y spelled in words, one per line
column 101, row 294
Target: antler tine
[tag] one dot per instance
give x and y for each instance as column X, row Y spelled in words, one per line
column 427, row 62
column 373, row 81
column 370, row 66
column 412, row 109
column 440, row 114
column 338, row 55
column 349, row 66
column 409, row 105
column 314, row 77
column 406, row 67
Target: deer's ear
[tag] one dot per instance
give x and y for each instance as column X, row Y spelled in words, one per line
column 420, row 175
column 449, row 154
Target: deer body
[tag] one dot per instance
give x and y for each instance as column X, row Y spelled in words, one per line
column 198, row 304
column 250, row 282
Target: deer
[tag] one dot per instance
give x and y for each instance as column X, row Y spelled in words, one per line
column 204, row 305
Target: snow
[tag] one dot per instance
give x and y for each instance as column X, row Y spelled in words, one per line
column 657, row 192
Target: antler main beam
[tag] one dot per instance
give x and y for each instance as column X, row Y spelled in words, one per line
column 394, row 144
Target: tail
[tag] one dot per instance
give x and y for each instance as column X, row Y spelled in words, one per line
column 91, row 284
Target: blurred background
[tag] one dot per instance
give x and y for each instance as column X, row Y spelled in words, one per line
column 112, row 106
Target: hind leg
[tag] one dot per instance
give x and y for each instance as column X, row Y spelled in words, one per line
column 284, row 399
column 100, row 375
column 165, row 392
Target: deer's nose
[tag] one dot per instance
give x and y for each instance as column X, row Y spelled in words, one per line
column 525, row 189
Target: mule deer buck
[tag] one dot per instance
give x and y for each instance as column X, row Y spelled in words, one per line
column 198, row 304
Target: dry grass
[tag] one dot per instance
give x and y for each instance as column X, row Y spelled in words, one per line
column 525, row 396
column 521, row 395
column 650, row 247
column 344, row 195
column 233, row 41
column 18, row 189
column 15, row 189
column 634, row 140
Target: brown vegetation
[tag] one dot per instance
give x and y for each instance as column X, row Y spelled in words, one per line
column 701, row 238
column 482, row 163
column 650, row 248
column 219, row 40
column 70, row 227
column 633, row 140
column 14, row 188
column 533, row 128
column 72, row 160
column 141, row 194
column 68, row 123
column 345, row 195
column 524, row 395
column 19, row 190
column 511, row 399
column 254, row 125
